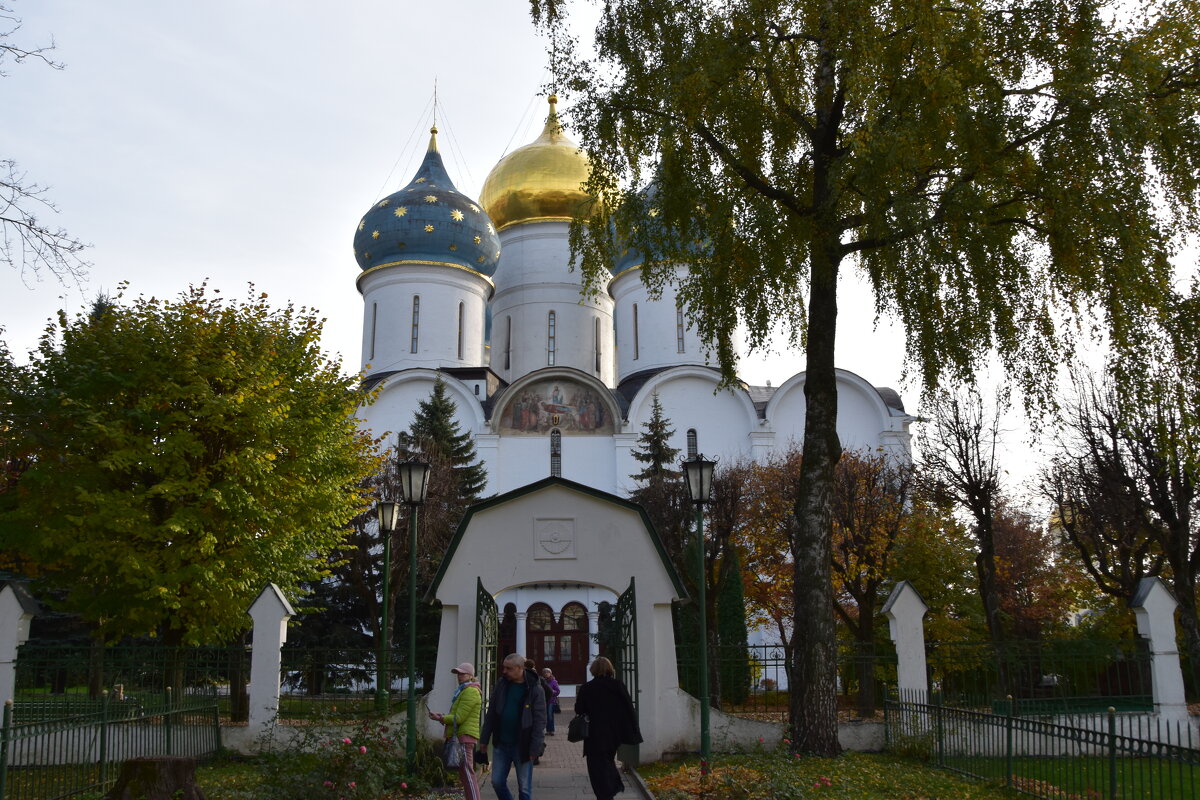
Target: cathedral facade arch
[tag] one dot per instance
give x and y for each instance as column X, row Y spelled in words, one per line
column 556, row 398
column 865, row 420
column 401, row 393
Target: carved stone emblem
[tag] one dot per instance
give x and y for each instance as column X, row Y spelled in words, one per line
column 554, row 538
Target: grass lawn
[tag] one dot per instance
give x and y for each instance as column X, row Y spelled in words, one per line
column 776, row 776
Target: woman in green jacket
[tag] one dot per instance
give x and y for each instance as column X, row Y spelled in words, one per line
column 463, row 719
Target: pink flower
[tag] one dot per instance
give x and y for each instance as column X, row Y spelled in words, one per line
column 345, row 741
column 362, row 748
column 352, row 784
column 329, row 783
column 404, row 786
column 760, row 740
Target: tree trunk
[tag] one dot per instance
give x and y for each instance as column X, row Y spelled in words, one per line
column 813, row 694
column 157, row 778
column 985, row 568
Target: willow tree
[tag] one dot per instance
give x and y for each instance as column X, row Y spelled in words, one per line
column 995, row 170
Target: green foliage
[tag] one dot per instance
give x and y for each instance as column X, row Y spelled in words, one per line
column 181, row 454
column 324, row 760
column 435, row 431
column 734, row 671
column 654, row 448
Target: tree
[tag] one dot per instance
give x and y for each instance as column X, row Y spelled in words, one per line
column 960, row 461
column 733, row 675
column 1099, row 507
column 27, row 242
column 1140, row 451
column 979, row 164
column 182, row 454
column 661, row 490
column 872, row 507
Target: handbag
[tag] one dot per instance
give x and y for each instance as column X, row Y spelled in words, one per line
column 577, row 728
column 452, row 750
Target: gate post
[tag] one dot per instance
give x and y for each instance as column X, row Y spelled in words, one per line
column 270, row 613
column 905, row 610
column 17, row 608
column 1155, row 607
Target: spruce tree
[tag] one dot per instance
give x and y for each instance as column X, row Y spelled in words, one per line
column 435, row 433
column 656, row 451
column 732, row 638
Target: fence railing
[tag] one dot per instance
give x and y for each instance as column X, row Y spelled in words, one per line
column 338, row 682
column 753, row 680
column 1049, row 676
column 51, row 758
column 1104, row 756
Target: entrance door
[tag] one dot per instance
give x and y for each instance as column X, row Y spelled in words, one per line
column 560, row 645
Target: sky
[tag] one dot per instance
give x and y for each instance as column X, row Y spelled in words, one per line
column 237, row 141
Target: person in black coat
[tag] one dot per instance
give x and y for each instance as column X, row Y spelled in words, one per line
column 612, row 722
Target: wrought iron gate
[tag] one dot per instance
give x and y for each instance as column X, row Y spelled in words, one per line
column 627, row 646
column 487, row 639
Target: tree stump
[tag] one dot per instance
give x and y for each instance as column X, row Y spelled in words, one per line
column 157, row 778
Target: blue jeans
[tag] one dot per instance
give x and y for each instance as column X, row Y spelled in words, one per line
column 505, row 756
column 550, row 716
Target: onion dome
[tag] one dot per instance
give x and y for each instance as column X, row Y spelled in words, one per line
column 426, row 222
column 541, row 181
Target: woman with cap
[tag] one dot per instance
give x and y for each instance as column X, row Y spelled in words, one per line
column 463, row 719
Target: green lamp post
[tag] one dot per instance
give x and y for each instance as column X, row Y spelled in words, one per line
column 699, row 472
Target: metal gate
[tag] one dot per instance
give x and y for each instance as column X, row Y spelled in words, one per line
column 627, row 646
column 487, row 640
column 627, row 657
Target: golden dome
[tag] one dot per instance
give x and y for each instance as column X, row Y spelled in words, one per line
column 541, row 181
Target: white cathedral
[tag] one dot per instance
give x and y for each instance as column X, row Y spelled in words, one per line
column 548, row 381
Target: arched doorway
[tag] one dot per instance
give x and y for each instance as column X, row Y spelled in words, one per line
column 561, row 645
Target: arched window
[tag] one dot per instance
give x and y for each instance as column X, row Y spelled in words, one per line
column 539, row 618
column 635, row 333
column 596, row 338
column 374, row 320
column 556, row 453
column 550, row 339
column 679, row 330
column 416, row 322
column 574, row 617
column 460, row 331
column 691, row 443
column 508, row 345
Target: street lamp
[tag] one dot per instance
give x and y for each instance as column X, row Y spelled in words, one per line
column 389, row 515
column 414, row 483
column 699, row 472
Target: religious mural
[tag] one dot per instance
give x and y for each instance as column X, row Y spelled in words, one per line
column 542, row 406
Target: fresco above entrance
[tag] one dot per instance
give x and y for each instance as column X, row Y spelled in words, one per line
column 542, row 406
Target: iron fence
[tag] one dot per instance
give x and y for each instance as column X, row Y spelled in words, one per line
column 752, row 681
column 1048, row 676
column 51, row 758
column 340, row 683
column 1104, row 756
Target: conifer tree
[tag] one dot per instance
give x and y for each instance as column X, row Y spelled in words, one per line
column 661, row 489
column 435, row 432
column 656, row 453
column 732, row 637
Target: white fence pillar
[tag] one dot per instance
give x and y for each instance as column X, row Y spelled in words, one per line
column 905, row 610
column 17, row 608
column 270, row 613
column 1155, row 607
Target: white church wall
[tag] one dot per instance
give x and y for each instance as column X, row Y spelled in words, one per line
column 656, row 342
column 400, row 396
column 534, row 278
column 722, row 420
column 521, row 460
column 388, row 295
column 863, row 417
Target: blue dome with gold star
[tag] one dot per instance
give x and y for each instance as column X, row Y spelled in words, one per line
column 427, row 222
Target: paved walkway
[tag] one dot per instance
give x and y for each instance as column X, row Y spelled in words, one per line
column 562, row 773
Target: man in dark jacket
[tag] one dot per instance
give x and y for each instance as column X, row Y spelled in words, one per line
column 515, row 725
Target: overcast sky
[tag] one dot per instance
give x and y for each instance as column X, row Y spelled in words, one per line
column 242, row 140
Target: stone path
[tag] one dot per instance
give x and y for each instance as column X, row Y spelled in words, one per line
column 562, row 772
